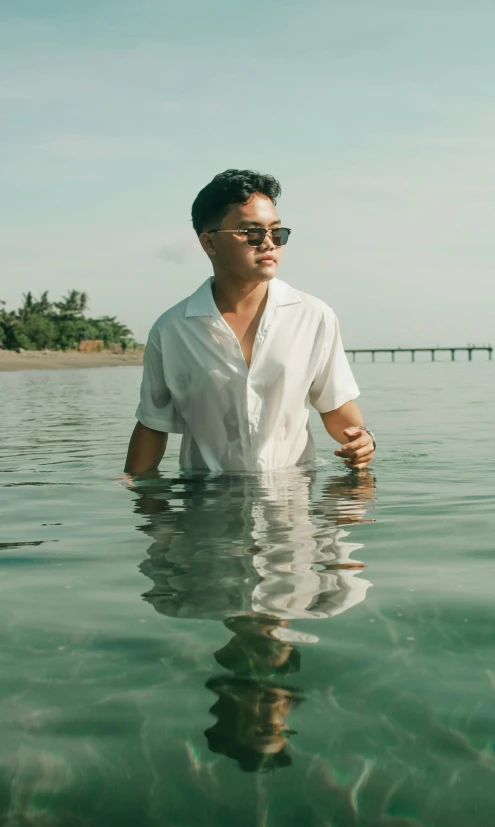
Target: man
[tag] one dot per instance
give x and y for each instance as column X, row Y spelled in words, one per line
column 235, row 367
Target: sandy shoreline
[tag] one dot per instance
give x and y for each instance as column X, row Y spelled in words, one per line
column 58, row 360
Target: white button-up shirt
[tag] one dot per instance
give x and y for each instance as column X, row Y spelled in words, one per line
column 233, row 418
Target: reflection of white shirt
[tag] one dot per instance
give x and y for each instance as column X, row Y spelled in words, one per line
column 196, row 381
column 295, row 553
column 258, row 544
column 299, row 586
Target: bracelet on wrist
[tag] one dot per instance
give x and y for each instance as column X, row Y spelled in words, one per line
column 362, row 428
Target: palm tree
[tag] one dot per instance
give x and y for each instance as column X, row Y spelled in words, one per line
column 27, row 307
column 43, row 305
column 73, row 304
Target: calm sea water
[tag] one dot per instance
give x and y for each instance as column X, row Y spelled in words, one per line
column 306, row 648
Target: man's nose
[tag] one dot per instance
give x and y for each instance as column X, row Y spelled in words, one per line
column 267, row 243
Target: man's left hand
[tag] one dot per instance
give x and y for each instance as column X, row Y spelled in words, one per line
column 357, row 452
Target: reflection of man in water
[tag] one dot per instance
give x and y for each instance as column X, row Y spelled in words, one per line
column 255, row 552
column 253, row 706
column 243, row 544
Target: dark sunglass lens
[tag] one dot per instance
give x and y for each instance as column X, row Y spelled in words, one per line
column 256, row 236
column 280, row 236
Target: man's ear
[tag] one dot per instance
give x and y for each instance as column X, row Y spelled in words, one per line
column 207, row 244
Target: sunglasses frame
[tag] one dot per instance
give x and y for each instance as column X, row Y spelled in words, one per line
column 259, row 230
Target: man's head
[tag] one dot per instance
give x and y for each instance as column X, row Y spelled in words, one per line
column 240, row 200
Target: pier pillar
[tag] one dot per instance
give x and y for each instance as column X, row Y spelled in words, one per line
column 372, row 355
column 470, row 354
column 452, row 354
column 393, row 355
column 413, row 355
column 432, row 355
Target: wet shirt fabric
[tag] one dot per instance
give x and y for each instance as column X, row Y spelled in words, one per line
column 196, row 381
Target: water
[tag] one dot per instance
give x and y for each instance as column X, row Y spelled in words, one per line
column 305, row 648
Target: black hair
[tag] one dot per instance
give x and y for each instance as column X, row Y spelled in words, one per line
column 234, row 186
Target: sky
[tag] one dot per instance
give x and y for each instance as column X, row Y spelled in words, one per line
column 378, row 118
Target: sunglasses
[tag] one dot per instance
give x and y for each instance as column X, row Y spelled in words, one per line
column 256, row 235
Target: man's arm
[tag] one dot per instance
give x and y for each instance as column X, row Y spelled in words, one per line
column 146, row 450
column 357, row 445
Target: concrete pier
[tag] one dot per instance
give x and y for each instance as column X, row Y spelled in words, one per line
column 413, row 350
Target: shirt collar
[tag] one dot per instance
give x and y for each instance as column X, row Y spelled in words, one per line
column 281, row 293
column 201, row 302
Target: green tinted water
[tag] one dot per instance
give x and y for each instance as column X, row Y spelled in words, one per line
column 208, row 651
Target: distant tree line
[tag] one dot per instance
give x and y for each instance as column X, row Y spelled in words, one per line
column 41, row 324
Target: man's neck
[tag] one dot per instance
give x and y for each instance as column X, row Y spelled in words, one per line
column 237, row 296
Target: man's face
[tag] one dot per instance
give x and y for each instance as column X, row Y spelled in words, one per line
column 262, row 721
column 231, row 253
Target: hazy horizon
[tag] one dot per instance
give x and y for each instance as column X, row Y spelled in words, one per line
column 379, row 121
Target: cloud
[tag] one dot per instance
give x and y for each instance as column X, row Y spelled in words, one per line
column 100, row 147
column 13, row 92
column 177, row 252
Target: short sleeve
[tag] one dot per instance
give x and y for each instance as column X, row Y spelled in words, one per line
column 334, row 383
column 156, row 409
